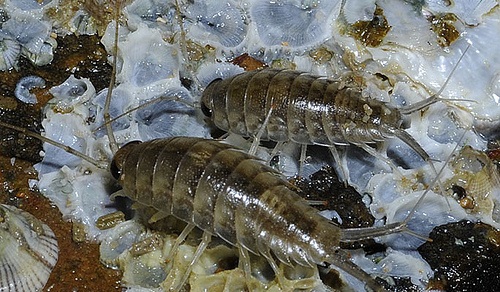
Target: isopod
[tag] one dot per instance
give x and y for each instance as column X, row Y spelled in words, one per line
column 249, row 205
column 228, row 193
column 288, row 105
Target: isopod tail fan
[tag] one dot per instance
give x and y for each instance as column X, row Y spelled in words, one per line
column 410, row 141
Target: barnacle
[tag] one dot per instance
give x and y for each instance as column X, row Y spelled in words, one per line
column 284, row 23
column 10, row 51
column 217, row 21
column 34, row 37
column 154, row 59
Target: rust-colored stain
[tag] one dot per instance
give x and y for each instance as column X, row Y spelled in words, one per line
column 371, row 33
column 248, row 63
column 78, row 267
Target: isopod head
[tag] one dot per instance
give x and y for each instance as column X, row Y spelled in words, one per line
column 119, row 159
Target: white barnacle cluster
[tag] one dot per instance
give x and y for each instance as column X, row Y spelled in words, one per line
column 393, row 46
column 25, row 29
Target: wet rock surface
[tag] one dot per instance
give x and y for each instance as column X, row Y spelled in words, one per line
column 465, row 257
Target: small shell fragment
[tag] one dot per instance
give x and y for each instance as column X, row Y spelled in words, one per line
column 110, row 220
column 28, row 251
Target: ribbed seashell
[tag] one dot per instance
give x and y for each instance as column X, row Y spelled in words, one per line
column 10, row 50
column 217, row 21
column 469, row 11
column 30, row 32
column 28, row 251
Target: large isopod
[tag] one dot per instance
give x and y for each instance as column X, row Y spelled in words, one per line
column 305, row 109
column 230, row 194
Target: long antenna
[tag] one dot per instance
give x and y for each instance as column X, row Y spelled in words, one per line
column 435, row 97
column 112, row 141
column 97, row 163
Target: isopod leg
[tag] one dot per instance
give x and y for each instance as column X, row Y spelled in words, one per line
column 256, row 139
column 199, row 251
column 277, row 272
column 157, row 217
column 302, row 160
column 341, row 261
column 341, row 168
column 179, row 240
column 245, row 264
column 277, row 149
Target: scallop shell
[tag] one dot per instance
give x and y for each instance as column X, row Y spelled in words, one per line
column 28, row 251
column 10, row 50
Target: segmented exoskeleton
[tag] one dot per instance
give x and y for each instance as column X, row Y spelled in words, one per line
column 228, row 193
column 231, row 194
column 306, row 109
column 287, row 105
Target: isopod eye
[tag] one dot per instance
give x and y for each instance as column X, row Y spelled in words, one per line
column 118, row 162
column 205, row 110
column 115, row 170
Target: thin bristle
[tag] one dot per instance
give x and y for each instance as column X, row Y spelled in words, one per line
column 410, row 141
column 434, row 181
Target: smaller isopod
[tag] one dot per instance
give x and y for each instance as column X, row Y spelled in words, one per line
column 287, row 105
